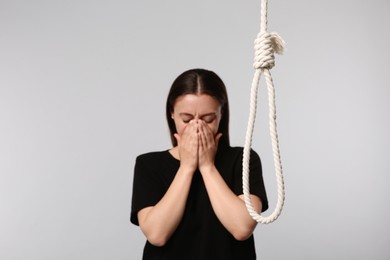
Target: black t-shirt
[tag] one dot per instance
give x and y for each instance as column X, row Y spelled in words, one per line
column 200, row 235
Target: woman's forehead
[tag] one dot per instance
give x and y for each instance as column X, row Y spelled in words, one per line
column 196, row 104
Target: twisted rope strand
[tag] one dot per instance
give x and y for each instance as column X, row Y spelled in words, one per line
column 266, row 44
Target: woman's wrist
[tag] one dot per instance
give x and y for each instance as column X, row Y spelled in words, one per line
column 207, row 169
column 186, row 169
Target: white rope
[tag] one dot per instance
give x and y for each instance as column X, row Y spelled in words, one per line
column 266, row 44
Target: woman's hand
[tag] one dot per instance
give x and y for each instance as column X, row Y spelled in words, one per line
column 208, row 145
column 188, row 146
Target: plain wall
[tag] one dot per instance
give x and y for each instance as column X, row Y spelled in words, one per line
column 82, row 93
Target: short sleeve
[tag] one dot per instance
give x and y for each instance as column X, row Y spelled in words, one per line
column 147, row 188
column 256, row 182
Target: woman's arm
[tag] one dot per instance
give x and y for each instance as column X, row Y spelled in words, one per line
column 228, row 207
column 160, row 221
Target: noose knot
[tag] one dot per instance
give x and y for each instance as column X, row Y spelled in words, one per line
column 266, row 44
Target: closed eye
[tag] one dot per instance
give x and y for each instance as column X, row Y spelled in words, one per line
column 186, row 118
column 209, row 118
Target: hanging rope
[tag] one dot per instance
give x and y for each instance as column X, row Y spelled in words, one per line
column 266, row 44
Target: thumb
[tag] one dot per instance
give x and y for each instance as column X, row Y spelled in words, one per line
column 177, row 138
column 217, row 138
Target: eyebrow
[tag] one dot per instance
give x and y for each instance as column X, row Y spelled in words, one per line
column 208, row 114
column 185, row 114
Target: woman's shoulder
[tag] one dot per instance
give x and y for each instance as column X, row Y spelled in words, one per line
column 236, row 151
column 152, row 156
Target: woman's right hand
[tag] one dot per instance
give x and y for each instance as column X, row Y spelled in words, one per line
column 188, row 146
column 160, row 221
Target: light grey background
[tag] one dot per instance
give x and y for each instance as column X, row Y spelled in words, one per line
column 82, row 92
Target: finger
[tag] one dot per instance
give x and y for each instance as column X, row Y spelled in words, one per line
column 189, row 127
column 188, row 132
column 201, row 133
column 191, row 138
column 207, row 138
column 177, row 137
column 217, row 138
column 191, row 130
column 208, row 134
column 202, row 139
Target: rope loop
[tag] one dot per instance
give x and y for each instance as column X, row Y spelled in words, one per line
column 266, row 44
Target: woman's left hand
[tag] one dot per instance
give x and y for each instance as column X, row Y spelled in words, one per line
column 208, row 145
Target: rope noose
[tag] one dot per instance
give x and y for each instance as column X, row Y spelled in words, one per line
column 266, row 44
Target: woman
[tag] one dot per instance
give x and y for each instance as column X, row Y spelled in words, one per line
column 188, row 201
